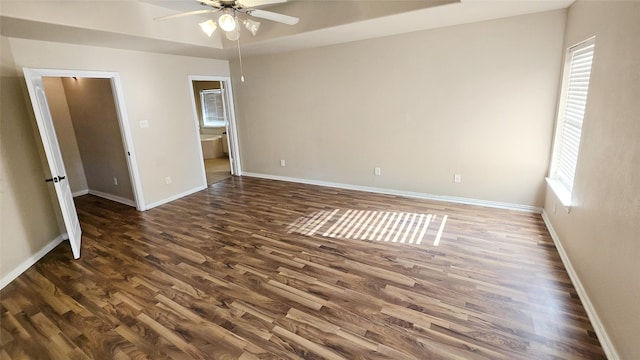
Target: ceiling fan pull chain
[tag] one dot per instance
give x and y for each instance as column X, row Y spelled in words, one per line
column 240, row 58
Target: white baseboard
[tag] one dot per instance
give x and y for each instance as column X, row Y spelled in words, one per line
column 80, row 193
column 31, row 260
column 453, row 199
column 112, row 197
column 175, row 197
column 605, row 341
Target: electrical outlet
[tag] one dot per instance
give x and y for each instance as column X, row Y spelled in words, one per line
column 377, row 171
column 167, row 180
column 115, row 181
column 283, row 163
column 457, row 178
column 144, row 124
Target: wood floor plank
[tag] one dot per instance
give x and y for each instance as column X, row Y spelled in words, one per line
column 261, row 269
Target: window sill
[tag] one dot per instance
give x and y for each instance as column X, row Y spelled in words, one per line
column 561, row 192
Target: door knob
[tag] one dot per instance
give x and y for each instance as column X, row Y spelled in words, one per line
column 55, row 179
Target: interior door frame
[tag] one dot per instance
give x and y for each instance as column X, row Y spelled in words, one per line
column 123, row 121
column 232, row 134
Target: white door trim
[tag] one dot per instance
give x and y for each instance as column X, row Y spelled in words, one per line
column 232, row 135
column 123, row 121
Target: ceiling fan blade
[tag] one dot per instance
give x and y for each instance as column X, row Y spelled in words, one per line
column 254, row 3
column 188, row 13
column 268, row 15
column 214, row 3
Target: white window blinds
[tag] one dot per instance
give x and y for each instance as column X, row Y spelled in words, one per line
column 571, row 113
column 213, row 111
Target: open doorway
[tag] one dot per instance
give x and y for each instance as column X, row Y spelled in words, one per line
column 86, row 123
column 95, row 99
column 213, row 109
column 55, row 163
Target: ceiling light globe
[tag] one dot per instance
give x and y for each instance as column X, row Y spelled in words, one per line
column 252, row 26
column 227, row 22
column 208, row 27
column 233, row 35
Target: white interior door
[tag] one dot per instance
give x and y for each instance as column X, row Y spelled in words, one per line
column 54, row 160
column 232, row 135
column 228, row 130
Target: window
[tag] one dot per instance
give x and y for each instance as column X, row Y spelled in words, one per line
column 573, row 102
column 213, row 110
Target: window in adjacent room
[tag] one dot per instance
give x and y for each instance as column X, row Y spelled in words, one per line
column 213, row 110
column 573, row 102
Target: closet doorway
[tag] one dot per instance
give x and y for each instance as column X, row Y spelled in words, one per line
column 74, row 93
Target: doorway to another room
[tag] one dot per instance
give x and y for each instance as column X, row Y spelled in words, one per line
column 85, row 117
column 214, row 116
column 64, row 104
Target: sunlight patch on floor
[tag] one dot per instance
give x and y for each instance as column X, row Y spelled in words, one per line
column 384, row 226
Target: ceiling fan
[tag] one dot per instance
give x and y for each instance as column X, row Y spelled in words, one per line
column 228, row 19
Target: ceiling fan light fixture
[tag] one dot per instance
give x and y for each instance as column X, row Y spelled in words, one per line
column 252, row 26
column 208, row 27
column 233, row 35
column 227, row 22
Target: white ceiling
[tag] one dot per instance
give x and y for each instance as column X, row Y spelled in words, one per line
column 130, row 25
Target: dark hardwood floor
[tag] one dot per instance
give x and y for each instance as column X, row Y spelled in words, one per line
column 252, row 268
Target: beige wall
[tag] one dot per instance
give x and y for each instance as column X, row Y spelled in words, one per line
column 57, row 101
column 475, row 99
column 95, row 121
column 601, row 234
column 27, row 218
